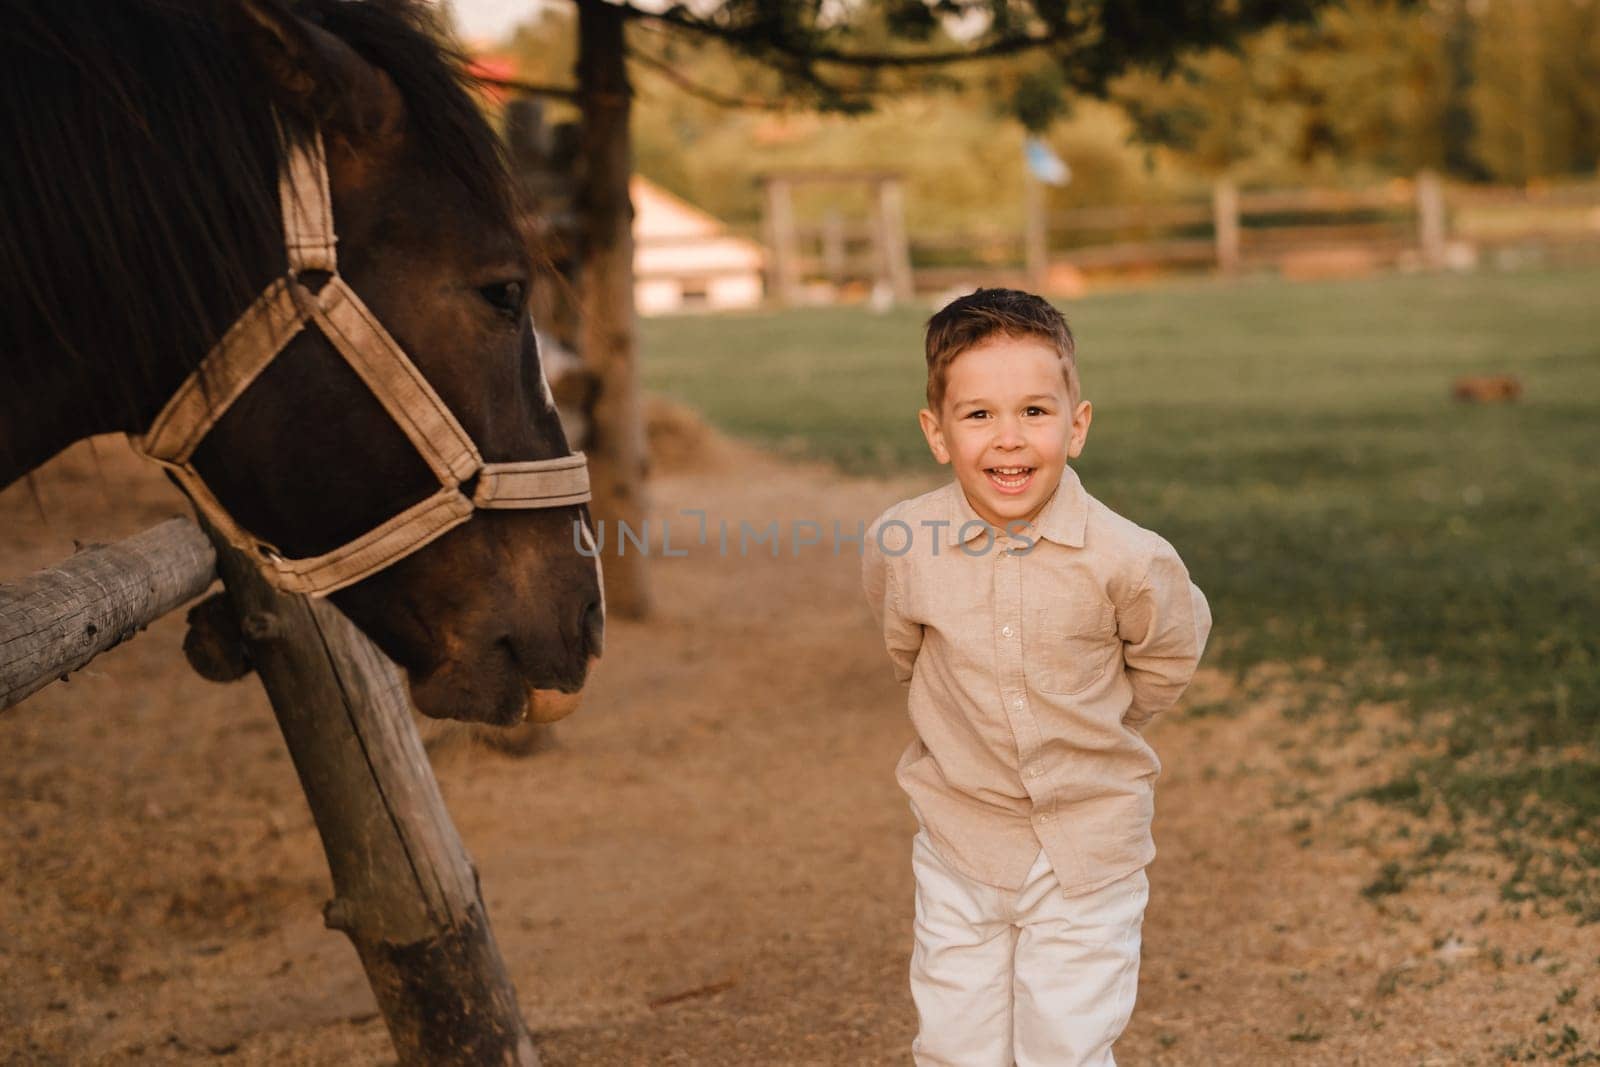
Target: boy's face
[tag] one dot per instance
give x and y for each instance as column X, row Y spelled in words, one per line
column 1007, row 427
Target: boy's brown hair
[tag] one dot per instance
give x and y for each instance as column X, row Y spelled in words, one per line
column 970, row 320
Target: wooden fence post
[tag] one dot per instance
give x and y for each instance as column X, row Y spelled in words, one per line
column 896, row 249
column 1225, row 222
column 1036, row 234
column 780, row 239
column 405, row 892
column 833, row 246
column 1431, row 233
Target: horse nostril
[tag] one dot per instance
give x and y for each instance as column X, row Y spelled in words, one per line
column 594, row 629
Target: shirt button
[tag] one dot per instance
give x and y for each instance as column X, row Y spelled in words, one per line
column 1006, row 632
column 1045, row 817
column 1017, row 703
column 1036, row 770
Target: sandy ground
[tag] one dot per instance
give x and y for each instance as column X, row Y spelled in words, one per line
column 712, row 867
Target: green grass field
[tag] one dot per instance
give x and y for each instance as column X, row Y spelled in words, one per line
column 1299, row 445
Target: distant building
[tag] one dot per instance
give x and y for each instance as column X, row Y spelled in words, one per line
column 685, row 260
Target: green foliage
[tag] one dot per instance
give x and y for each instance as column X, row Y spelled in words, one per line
column 1508, row 89
column 850, row 58
column 963, row 168
column 1363, row 87
column 546, row 46
column 836, row 56
column 948, row 131
column 1039, row 97
column 1536, row 98
column 1374, row 88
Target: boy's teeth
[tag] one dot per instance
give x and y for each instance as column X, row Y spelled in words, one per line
column 1010, row 477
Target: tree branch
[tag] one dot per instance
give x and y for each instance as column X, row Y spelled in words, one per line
column 701, row 92
column 692, row 88
column 1004, row 46
column 553, row 92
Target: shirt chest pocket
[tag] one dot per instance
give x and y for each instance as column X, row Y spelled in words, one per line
column 1068, row 639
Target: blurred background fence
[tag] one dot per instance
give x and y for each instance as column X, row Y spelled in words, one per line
column 1298, row 232
column 857, row 245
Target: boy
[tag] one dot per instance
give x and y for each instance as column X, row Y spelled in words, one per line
column 1039, row 632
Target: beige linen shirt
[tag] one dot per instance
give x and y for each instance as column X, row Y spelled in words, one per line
column 1033, row 660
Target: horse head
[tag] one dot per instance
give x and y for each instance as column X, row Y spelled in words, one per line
column 500, row 616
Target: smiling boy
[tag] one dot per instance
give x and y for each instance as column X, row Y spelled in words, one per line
column 1039, row 632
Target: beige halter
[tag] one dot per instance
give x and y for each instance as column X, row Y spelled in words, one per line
column 263, row 331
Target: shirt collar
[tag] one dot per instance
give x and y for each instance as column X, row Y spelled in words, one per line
column 1063, row 519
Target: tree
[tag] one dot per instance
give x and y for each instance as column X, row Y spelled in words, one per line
column 1536, row 95
column 1505, row 89
column 832, row 57
column 844, row 57
column 1364, row 89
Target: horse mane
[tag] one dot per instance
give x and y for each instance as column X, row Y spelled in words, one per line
column 138, row 195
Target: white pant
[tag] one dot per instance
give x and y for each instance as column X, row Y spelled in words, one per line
column 1029, row 975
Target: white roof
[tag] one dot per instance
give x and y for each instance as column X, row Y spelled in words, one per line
column 673, row 237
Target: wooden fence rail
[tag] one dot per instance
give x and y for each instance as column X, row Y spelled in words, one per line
column 1423, row 221
column 55, row 621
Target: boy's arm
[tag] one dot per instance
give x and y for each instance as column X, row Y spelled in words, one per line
column 901, row 637
column 1163, row 627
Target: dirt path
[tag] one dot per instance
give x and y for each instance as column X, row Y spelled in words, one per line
column 712, row 868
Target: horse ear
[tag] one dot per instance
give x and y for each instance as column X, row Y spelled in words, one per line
column 318, row 77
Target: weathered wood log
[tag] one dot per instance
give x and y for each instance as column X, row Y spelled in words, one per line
column 55, row 621
column 405, row 891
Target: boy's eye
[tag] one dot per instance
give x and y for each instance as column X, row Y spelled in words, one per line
column 979, row 414
column 1035, row 411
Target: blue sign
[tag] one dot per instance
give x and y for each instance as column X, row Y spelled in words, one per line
column 1044, row 164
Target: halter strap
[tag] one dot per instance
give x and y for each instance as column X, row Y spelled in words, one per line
column 274, row 319
column 308, row 234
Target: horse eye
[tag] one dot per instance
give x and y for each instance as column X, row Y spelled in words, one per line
column 504, row 297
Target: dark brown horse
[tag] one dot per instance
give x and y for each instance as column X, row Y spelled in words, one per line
column 140, row 147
